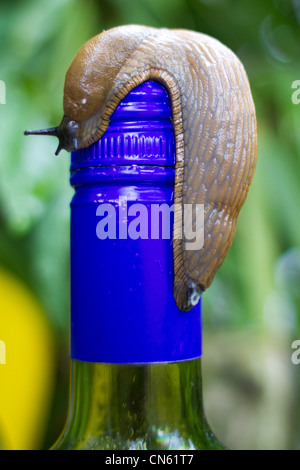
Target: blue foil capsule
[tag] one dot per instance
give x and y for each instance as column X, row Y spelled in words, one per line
column 122, row 304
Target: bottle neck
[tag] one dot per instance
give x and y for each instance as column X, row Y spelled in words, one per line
column 154, row 406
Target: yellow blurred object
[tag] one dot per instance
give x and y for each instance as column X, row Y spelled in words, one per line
column 27, row 366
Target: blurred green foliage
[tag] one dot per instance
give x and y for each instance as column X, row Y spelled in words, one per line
column 258, row 285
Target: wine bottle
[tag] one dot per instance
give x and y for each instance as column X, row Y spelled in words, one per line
column 135, row 357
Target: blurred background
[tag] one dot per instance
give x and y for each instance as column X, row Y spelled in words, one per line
column 251, row 313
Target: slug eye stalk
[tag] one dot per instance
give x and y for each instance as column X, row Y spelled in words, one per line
column 65, row 132
column 51, row 131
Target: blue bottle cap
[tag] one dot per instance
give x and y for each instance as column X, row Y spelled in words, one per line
column 140, row 131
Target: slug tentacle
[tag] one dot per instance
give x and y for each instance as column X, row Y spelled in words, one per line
column 65, row 132
column 214, row 124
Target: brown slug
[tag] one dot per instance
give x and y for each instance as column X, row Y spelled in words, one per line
column 214, row 124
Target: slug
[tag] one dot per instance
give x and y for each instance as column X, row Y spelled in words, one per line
column 214, row 125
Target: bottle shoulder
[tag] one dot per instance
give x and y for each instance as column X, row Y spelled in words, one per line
column 155, row 440
column 137, row 407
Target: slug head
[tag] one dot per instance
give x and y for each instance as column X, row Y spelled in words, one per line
column 89, row 82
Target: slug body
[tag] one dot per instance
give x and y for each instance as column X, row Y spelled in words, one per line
column 214, row 123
